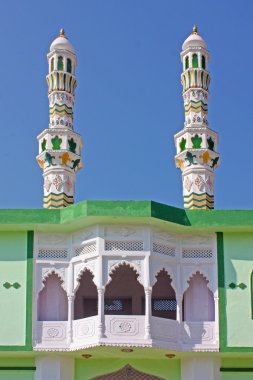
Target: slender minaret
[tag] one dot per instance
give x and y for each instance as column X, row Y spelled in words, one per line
column 196, row 143
column 59, row 146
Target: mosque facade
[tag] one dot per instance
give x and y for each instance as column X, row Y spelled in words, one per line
column 126, row 289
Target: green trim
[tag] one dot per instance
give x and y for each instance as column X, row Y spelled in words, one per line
column 222, row 295
column 235, row 369
column 251, row 293
column 17, row 368
column 87, row 212
column 29, row 290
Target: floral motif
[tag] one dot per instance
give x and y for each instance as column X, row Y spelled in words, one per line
column 199, row 182
column 187, row 184
column 57, row 181
column 47, row 184
column 209, row 183
column 52, row 332
column 69, row 184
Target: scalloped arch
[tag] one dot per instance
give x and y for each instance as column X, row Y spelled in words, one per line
column 169, row 273
column 79, row 276
column 49, row 273
column 190, row 277
column 127, row 263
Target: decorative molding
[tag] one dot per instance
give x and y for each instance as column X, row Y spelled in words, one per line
column 15, row 285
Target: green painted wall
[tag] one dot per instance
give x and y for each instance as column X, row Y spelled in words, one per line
column 87, row 369
column 17, row 373
column 236, row 365
column 13, row 269
column 238, row 262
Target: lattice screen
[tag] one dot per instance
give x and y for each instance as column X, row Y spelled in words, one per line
column 86, row 248
column 197, row 253
column 53, row 253
column 164, row 305
column 116, row 245
column 164, row 249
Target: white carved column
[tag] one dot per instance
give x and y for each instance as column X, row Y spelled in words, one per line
column 216, row 317
column 54, row 368
column 200, row 368
column 70, row 318
column 148, row 292
column 101, row 318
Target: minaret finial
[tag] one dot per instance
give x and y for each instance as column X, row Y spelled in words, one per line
column 59, row 146
column 195, row 29
column 62, row 32
column 196, row 143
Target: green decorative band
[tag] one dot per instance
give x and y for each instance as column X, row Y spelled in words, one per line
column 195, row 78
column 236, row 369
column 53, row 200
column 17, row 368
column 59, row 110
column 58, row 81
column 199, row 201
column 193, row 106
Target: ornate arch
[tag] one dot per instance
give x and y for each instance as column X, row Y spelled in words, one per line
column 79, row 276
column 156, row 268
column 60, row 273
column 205, row 276
column 113, row 265
column 127, row 372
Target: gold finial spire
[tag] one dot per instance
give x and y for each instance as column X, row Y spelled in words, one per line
column 195, row 30
column 62, row 32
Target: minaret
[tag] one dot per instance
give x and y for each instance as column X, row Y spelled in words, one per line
column 59, row 146
column 196, row 143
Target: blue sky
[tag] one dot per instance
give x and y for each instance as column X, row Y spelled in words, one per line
column 128, row 100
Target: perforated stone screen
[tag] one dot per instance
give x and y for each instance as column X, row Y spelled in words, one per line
column 117, row 245
column 164, row 249
column 196, row 253
column 86, row 248
column 56, row 253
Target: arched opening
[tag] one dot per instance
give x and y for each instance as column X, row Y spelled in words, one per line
column 124, row 295
column 60, row 63
column 187, row 63
column 203, row 63
column 129, row 373
column 52, row 64
column 195, row 62
column 198, row 302
column 164, row 303
column 86, row 298
column 52, row 301
column 69, row 65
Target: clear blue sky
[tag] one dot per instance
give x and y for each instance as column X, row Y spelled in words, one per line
column 128, row 100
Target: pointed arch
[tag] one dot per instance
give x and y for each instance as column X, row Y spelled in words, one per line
column 86, row 296
column 124, row 295
column 164, row 303
column 198, row 300
column 52, row 300
column 186, row 62
column 203, row 62
column 195, row 61
column 69, row 65
column 52, row 64
column 60, row 63
column 127, row 372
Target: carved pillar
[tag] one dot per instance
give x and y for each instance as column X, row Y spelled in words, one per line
column 70, row 318
column 216, row 317
column 101, row 318
column 148, row 292
column 180, row 316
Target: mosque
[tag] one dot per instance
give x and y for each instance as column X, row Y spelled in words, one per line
column 120, row 290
